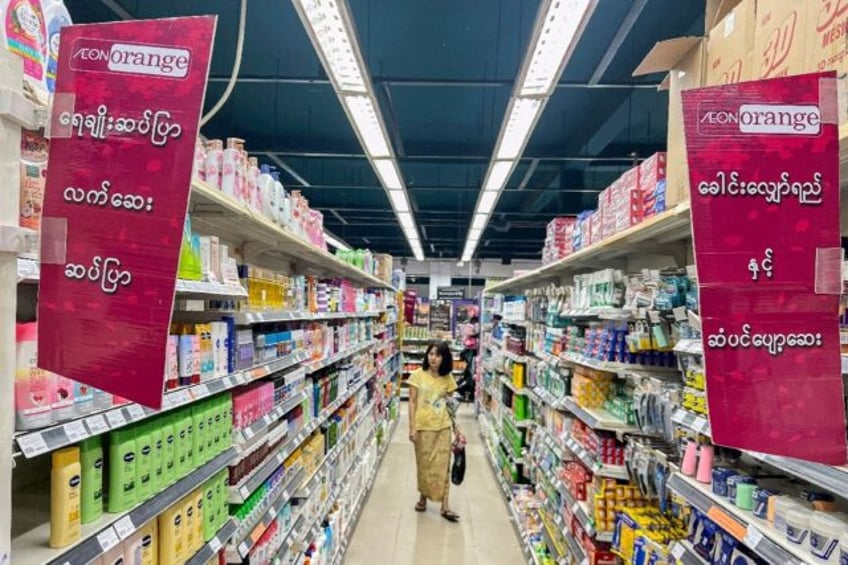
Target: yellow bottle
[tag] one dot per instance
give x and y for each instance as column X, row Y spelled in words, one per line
column 197, row 501
column 149, row 534
column 189, row 528
column 171, row 536
column 65, row 481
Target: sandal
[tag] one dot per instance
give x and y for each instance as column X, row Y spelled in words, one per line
column 450, row 516
column 421, row 506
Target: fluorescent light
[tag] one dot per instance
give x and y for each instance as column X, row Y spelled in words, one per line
column 498, row 175
column 333, row 38
column 367, row 123
column 406, row 220
column 337, row 243
column 560, row 30
column 487, row 202
column 516, row 133
column 399, row 201
column 388, row 174
column 474, row 233
column 479, row 221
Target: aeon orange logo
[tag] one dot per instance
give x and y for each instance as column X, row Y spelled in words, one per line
column 779, row 45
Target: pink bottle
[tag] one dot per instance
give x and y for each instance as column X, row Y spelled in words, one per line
column 35, row 389
column 690, row 459
column 214, row 162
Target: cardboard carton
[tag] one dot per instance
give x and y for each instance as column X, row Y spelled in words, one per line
column 780, row 38
column 683, row 59
column 730, row 47
column 827, row 36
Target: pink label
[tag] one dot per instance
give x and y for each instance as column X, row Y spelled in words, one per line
column 764, row 180
column 26, row 36
column 120, row 175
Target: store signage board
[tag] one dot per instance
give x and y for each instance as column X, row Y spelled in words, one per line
column 123, row 133
column 764, row 180
column 450, row 293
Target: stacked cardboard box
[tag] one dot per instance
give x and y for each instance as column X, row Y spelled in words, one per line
column 559, row 239
column 652, row 184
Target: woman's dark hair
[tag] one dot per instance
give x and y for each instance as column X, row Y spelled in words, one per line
column 447, row 357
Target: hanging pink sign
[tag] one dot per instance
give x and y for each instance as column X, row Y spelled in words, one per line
column 125, row 120
column 764, row 180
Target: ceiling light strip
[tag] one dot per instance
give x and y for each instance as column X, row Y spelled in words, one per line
column 559, row 25
column 332, row 33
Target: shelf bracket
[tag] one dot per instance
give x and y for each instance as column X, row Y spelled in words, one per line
column 253, row 249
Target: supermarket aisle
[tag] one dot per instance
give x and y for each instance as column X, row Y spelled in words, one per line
column 390, row 532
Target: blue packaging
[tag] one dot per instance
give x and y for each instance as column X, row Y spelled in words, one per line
column 720, row 476
column 734, row 480
column 761, row 499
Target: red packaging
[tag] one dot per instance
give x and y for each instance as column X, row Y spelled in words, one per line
column 652, row 173
column 596, row 224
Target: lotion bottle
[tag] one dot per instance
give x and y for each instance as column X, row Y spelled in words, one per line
column 65, row 485
column 123, row 486
column 91, row 461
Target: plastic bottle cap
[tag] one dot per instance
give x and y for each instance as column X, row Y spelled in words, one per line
column 66, row 456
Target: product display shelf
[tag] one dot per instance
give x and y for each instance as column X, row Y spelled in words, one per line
column 38, row 442
column 599, row 312
column 507, row 382
column 213, row 546
column 667, row 226
column 758, row 535
column 341, row 444
column 686, row 554
column 262, row 317
column 353, row 350
column 598, row 418
column 514, row 357
column 104, row 534
column 527, row 549
column 363, row 498
column 312, row 527
column 290, row 539
column 214, row 213
column 611, row 367
column 695, row 422
column 578, row 508
column 832, row 478
column 249, row 532
column 555, row 550
column 246, row 437
column 388, row 360
column 388, row 377
column 547, row 398
column 490, row 456
column 578, row 553
column 240, row 492
column 689, row 346
column 568, row 444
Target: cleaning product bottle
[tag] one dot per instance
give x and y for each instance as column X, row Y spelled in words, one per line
column 123, row 489
column 65, row 484
column 91, row 461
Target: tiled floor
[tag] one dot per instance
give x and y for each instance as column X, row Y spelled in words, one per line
column 390, row 532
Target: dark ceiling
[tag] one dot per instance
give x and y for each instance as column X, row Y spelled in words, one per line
column 443, row 71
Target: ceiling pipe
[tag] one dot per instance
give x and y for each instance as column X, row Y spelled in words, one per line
column 231, row 84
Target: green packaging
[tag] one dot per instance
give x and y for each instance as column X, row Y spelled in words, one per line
column 158, row 462
column 198, row 437
column 211, row 430
column 188, row 426
column 182, row 446
column 123, row 491
column 169, row 440
column 91, row 463
column 144, row 461
column 210, row 509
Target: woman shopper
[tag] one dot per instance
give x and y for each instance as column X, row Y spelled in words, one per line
column 430, row 426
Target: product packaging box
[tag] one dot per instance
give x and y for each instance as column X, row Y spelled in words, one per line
column 730, row 46
column 596, row 227
column 780, row 38
column 626, row 201
column 683, row 59
column 652, row 184
column 826, row 45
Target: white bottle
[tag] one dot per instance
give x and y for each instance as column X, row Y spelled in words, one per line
column 266, row 191
column 214, row 162
column 231, row 160
column 283, row 204
column 252, row 183
column 278, row 198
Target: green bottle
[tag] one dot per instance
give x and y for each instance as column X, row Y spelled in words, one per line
column 91, row 462
column 144, row 461
column 210, row 510
column 188, row 425
column 123, row 489
column 157, row 442
column 169, row 441
column 211, row 430
column 198, row 437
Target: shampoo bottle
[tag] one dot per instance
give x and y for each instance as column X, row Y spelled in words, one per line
column 171, row 550
column 91, row 460
column 65, row 484
column 158, row 463
column 150, row 543
column 123, row 490
column 144, row 461
column 189, row 527
column 169, row 444
column 198, row 438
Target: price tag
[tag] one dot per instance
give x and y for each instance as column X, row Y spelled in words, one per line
column 185, row 397
column 245, row 492
column 167, row 403
column 215, row 545
column 267, row 419
column 32, row 444
column 655, row 316
column 247, row 432
column 125, row 527
column 702, row 425
column 680, row 316
column 229, row 382
column 136, row 411
column 201, row 391
column 97, row 424
column 243, row 549
column 108, row 539
column 273, row 511
column 678, row 550
column 753, row 536
column 116, row 418
column 75, row 431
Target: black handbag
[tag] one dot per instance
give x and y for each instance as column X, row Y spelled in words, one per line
column 458, row 468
